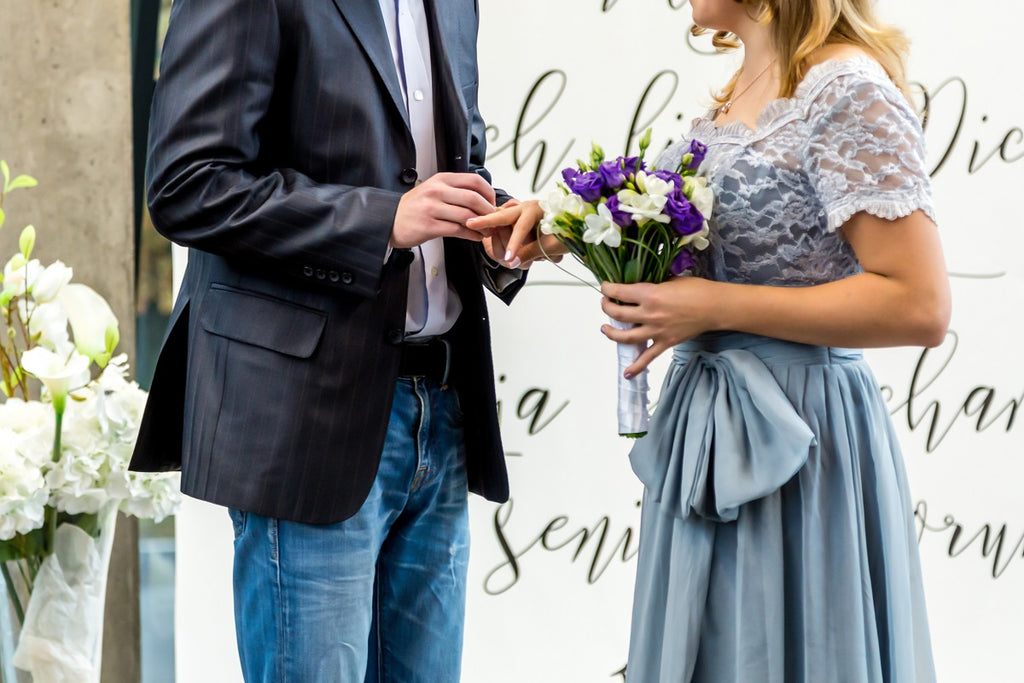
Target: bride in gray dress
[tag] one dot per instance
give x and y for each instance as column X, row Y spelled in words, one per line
column 777, row 541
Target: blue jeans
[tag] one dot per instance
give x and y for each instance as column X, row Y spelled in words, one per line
column 381, row 596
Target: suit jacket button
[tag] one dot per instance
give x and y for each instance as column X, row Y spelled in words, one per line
column 409, row 176
column 347, row 278
column 307, row 271
column 333, row 276
column 321, row 273
column 395, row 336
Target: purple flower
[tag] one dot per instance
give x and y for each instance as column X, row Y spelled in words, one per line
column 683, row 262
column 621, row 218
column 612, row 173
column 633, row 164
column 699, row 150
column 587, row 184
column 685, row 217
column 669, row 177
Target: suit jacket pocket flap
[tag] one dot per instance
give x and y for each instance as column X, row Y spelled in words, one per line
column 263, row 321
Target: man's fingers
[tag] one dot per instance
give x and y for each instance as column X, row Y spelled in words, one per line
column 465, row 233
column 468, row 181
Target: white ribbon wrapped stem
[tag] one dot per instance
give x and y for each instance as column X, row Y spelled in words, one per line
column 632, row 407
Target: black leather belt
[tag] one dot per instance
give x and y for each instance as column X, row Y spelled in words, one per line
column 430, row 358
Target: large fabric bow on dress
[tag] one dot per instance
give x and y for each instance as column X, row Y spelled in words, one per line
column 733, row 437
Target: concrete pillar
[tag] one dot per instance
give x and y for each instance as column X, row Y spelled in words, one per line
column 65, row 118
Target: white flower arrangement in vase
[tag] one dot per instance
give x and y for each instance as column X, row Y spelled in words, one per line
column 67, row 429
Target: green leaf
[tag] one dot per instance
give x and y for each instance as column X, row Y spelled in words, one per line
column 86, row 521
column 22, row 181
column 24, row 546
column 631, row 273
column 6, row 171
column 1, row 217
column 27, row 241
column 110, row 341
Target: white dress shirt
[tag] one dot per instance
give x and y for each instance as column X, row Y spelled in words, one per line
column 433, row 306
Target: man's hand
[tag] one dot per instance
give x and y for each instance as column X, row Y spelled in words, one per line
column 440, row 207
column 514, row 237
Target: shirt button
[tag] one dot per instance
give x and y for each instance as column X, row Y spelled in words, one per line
column 417, row 95
column 321, row 273
column 409, row 176
column 433, row 271
column 333, row 276
column 347, row 278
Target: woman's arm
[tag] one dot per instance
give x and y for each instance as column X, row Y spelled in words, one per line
column 901, row 298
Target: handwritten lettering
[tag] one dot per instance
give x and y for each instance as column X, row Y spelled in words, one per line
column 593, row 543
column 527, row 122
column 606, row 5
column 952, row 95
column 981, row 406
column 544, row 98
column 533, row 408
column 991, row 541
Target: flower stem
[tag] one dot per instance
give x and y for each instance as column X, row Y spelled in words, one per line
column 12, row 592
column 58, row 411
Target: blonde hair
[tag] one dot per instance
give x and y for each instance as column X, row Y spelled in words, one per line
column 799, row 27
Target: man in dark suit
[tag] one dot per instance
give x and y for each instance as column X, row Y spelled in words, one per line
column 327, row 373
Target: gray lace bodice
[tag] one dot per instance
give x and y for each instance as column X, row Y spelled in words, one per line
column 847, row 141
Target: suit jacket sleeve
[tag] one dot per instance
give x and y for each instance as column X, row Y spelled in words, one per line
column 206, row 186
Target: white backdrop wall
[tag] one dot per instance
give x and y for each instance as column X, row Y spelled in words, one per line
column 552, row 570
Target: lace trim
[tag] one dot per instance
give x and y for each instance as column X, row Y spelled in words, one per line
column 783, row 110
column 889, row 207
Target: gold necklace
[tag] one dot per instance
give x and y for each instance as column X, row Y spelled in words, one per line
column 724, row 109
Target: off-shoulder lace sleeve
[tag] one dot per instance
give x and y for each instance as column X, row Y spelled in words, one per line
column 866, row 151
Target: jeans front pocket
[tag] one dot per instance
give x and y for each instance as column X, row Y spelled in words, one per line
column 238, row 520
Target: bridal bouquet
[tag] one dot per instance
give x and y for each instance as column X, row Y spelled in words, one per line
column 628, row 223
column 67, row 430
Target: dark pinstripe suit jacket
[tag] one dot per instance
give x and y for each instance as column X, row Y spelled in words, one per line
column 279, row 149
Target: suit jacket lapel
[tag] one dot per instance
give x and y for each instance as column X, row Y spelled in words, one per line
column 367, row 24
column 451, row 107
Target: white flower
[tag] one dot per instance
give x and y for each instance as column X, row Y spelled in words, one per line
column 23, row 492
column 150, row 496
column 92, row 321
column 644, row 206
column 18, row 275
column 49, row 323
column 700, row 195
column 119, row 403
column 601, row 228
column 78, row 481
column 653, row 185
column 699, row 239
column 46, row 287
column 24, row 416
column 558, row 204
column 60, row 374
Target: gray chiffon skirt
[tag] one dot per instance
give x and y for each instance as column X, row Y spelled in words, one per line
column 777, row 542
